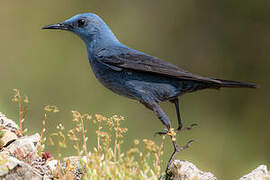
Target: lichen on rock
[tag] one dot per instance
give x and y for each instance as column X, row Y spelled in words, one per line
column 260, row 173
column 184, row 170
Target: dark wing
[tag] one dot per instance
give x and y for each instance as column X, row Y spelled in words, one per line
column 135, row 60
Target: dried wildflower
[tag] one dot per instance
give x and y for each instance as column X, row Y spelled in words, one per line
column 51, row 108
column 19, row 98
column 61, row 143
column 106, row 161
column 100, row 118
column 172, row 134
column 88, row 116
column 136, row 141
column 26, row 99
column 76, row 116
column 79, row 119
column 48, row 109
column 150, row 145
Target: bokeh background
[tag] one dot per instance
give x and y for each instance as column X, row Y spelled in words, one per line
column 225, row 39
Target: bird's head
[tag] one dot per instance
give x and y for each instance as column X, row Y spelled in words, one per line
column 87, row 26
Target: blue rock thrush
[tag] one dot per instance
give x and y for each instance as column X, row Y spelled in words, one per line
column 136, row 75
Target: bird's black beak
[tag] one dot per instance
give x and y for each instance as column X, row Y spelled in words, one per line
column 60, row 26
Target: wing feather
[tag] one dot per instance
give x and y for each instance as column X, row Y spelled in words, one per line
column 132, row 59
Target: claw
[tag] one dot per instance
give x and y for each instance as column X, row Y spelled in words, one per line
column 194, row 125
column 186, row 146
column 187, row 128
column 165, row 131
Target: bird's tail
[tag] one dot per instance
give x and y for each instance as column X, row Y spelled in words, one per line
column 235, row 84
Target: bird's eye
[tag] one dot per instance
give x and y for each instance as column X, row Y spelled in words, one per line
column 81, row 22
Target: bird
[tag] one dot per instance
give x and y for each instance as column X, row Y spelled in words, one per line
column 137, row 75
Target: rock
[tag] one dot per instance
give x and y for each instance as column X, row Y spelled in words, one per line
column 75, row 165
column 75, row 160
column 260, row 173
column 52, row 166
column 24, row 147
column 184, row 170
column 8, row 137
column 11, row 168
column 8, row 124
column 72, row 164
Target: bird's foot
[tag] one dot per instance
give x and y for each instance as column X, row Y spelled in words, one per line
column 186, row 128
column 165, row 131
column 187, row 145
column 176, row 150
column 169, row 132
column 172, row 133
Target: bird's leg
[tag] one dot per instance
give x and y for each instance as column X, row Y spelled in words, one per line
column 160, row 114
column 163, row 118
column 169, row 131
column 180, row 125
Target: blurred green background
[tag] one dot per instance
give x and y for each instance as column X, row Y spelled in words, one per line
column 224, row 39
